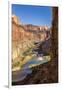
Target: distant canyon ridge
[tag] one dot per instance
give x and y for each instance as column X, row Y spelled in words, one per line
column 29, row 31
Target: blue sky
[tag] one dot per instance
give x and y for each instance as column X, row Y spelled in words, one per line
column 36, row 15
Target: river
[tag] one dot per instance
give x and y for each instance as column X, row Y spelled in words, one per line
column 27, row 69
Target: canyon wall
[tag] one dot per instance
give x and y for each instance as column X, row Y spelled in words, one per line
column 29, row 32
column 24, row 35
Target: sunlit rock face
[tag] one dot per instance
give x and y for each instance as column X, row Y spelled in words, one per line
column 15, row 19
column 29, row 32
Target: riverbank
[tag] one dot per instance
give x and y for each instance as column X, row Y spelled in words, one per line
column 44, row 73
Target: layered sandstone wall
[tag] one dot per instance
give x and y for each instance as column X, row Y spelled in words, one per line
column 31, row 32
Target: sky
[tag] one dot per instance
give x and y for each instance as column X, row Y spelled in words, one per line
column 36, row 15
